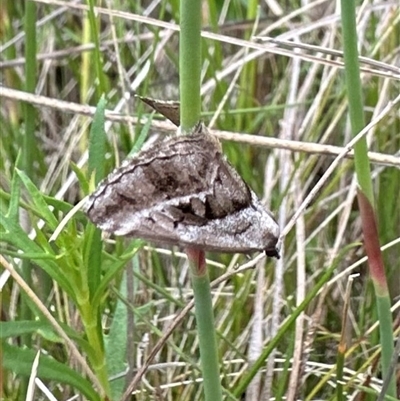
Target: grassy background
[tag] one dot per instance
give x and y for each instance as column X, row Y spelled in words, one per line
column 280, row 92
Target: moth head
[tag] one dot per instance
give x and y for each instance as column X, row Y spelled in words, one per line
column 273, row 253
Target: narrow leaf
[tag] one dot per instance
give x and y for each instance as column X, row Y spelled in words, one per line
column 38, row 200
column 97, row 142
column 20, row 361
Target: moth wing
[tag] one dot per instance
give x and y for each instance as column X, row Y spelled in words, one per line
column 248, row 229
column 183, row 191
column 188, row 173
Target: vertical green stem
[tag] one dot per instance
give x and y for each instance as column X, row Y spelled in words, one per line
column 354, row 93
column 205, row 325
column 190, row 63
column 28, row 146
column 93, row 257
column 365, row 194
column 29, row 143
column 190, row 75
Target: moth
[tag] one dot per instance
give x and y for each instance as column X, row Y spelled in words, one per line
column 182, row 191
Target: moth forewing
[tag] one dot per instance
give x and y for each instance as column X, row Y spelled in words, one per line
column 183, row 192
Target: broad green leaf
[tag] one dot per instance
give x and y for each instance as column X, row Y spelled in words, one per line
column 18, row 328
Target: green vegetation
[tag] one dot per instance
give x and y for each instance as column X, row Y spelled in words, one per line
column 299, row 327
column 190, row 105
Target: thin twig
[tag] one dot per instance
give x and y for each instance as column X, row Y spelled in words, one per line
column 262, row 141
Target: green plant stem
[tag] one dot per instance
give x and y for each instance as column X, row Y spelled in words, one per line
column 377, row 271
column 205, row 325
column 354, row 93
column 365, row 194
column 97, row 360
column 93, row 258
column 190, row 63
column 190, row 70
column 28, row 143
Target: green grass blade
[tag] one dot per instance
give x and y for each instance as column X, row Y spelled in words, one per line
column 365, row 195
column 97, row 143
column 190, row 107
column 29, row 148
column 20, row 362
column 190, row 63
column 98, row 62
column 41, row 205
column 97, row 150
column 116, row 343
